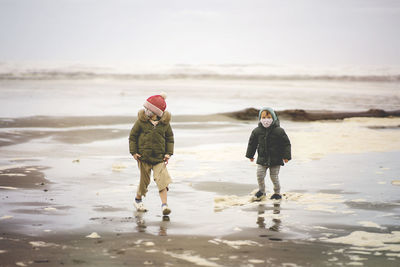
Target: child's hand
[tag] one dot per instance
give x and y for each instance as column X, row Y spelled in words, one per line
column 252, row 159
column 166, row 158
column 136, row 156
column 285, row 160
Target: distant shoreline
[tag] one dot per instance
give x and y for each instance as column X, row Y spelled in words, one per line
column 314, row 115
column 244, row 115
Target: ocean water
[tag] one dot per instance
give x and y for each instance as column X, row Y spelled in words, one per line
column 198, row 89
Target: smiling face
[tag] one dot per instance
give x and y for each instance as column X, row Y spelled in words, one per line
column 266, row 114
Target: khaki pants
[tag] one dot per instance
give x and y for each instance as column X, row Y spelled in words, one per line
column 160, row 175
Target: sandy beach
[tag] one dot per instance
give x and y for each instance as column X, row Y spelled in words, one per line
column 74, row 75
column 67, row 186
column 67, row 180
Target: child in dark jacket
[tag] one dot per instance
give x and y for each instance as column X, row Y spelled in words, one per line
column 151, row 143
column 273, row 149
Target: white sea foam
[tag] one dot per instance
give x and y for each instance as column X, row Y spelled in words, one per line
column 393, row 255
column 13, row 174
column 255, row 261
column 312, row 200
column 64, row 70
column 396, row 182
column 42, row 244
column 223, row 202
column 370, row 224
column 289, row 264
column 359, row 200
column 50, row 209
column 8, row 187
column 355, row 263
column 327, row 137
column 377, row 241
column 357, row 258
column 235, row 244
column 359, row 252
column 118, row 167
column 6, row 167
column 148, row 244
column 319, row 207
column 93, row 235
column 190, row 257
column 320, row 227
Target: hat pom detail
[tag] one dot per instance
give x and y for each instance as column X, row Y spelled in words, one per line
column 163, row 95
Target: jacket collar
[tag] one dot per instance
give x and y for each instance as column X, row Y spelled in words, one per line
column 165, row 118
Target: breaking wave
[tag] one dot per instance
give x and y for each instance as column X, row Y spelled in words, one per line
column 89, row 75
column 199, row 72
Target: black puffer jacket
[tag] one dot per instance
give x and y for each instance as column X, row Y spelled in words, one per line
column 272, row 144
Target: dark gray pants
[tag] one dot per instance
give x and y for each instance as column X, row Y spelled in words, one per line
column 273, row 174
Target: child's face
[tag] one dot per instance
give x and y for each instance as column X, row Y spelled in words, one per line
column 265, row 114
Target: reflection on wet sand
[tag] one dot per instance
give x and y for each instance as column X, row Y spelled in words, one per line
column 164, row 226
column 276, row 222
column 141, row 224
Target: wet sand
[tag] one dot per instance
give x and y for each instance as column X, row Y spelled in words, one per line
column 138, row 249
column 29, row 177
column 61, row 184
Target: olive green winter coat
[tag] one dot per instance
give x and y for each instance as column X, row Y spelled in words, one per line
column 149, row 141
column 272, row 144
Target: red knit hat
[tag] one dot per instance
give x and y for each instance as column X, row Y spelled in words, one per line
column 156, row 104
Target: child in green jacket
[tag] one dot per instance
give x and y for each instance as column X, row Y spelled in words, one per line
column 273, row 149
column 151, row 143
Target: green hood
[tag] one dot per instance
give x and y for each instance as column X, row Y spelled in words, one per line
column 272, row 112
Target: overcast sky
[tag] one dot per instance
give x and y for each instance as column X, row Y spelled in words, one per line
column 322, row 32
